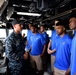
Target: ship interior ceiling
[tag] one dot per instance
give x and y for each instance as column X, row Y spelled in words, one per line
column 47, row 10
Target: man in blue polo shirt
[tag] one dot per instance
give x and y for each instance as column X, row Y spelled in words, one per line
column 37, row 49
column 29, row 33
column 63, row 44
column 72, row 25
column 51, row 46
column 45, row 35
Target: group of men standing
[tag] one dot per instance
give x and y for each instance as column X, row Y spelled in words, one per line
column 61, row 47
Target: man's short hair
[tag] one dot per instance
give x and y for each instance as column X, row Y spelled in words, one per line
column 35, row 26
column 42, row 25
column 30, row 23
column 61, row 23
column 58, row 19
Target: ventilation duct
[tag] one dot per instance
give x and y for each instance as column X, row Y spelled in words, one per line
column 3, row 7
column 1, row 3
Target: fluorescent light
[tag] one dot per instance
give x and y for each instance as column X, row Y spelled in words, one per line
column 15, row 5
column 29, row 14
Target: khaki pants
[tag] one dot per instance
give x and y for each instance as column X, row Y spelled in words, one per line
column 36, row 61
column 59, row 72
column 52, row 63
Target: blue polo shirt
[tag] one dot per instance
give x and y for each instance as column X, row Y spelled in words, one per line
column 73, row 56
column 46, row 38
column 74, row 32
column 53, row 38
column 29, row 33
column 62, row 60
column 37, row 42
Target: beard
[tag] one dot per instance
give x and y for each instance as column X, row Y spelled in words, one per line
column 59, row 33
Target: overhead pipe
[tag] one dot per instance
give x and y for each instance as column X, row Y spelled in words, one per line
column 60, row 15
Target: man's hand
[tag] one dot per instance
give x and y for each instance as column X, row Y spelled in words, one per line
column 67, row 72
column 25, row 55
column 50, row 51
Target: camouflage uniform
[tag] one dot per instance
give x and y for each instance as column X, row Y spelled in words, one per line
column 14, row 53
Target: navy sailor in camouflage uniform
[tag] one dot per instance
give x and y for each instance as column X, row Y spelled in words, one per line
column 15, row 49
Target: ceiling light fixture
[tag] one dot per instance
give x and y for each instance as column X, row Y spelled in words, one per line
column 29, row 14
